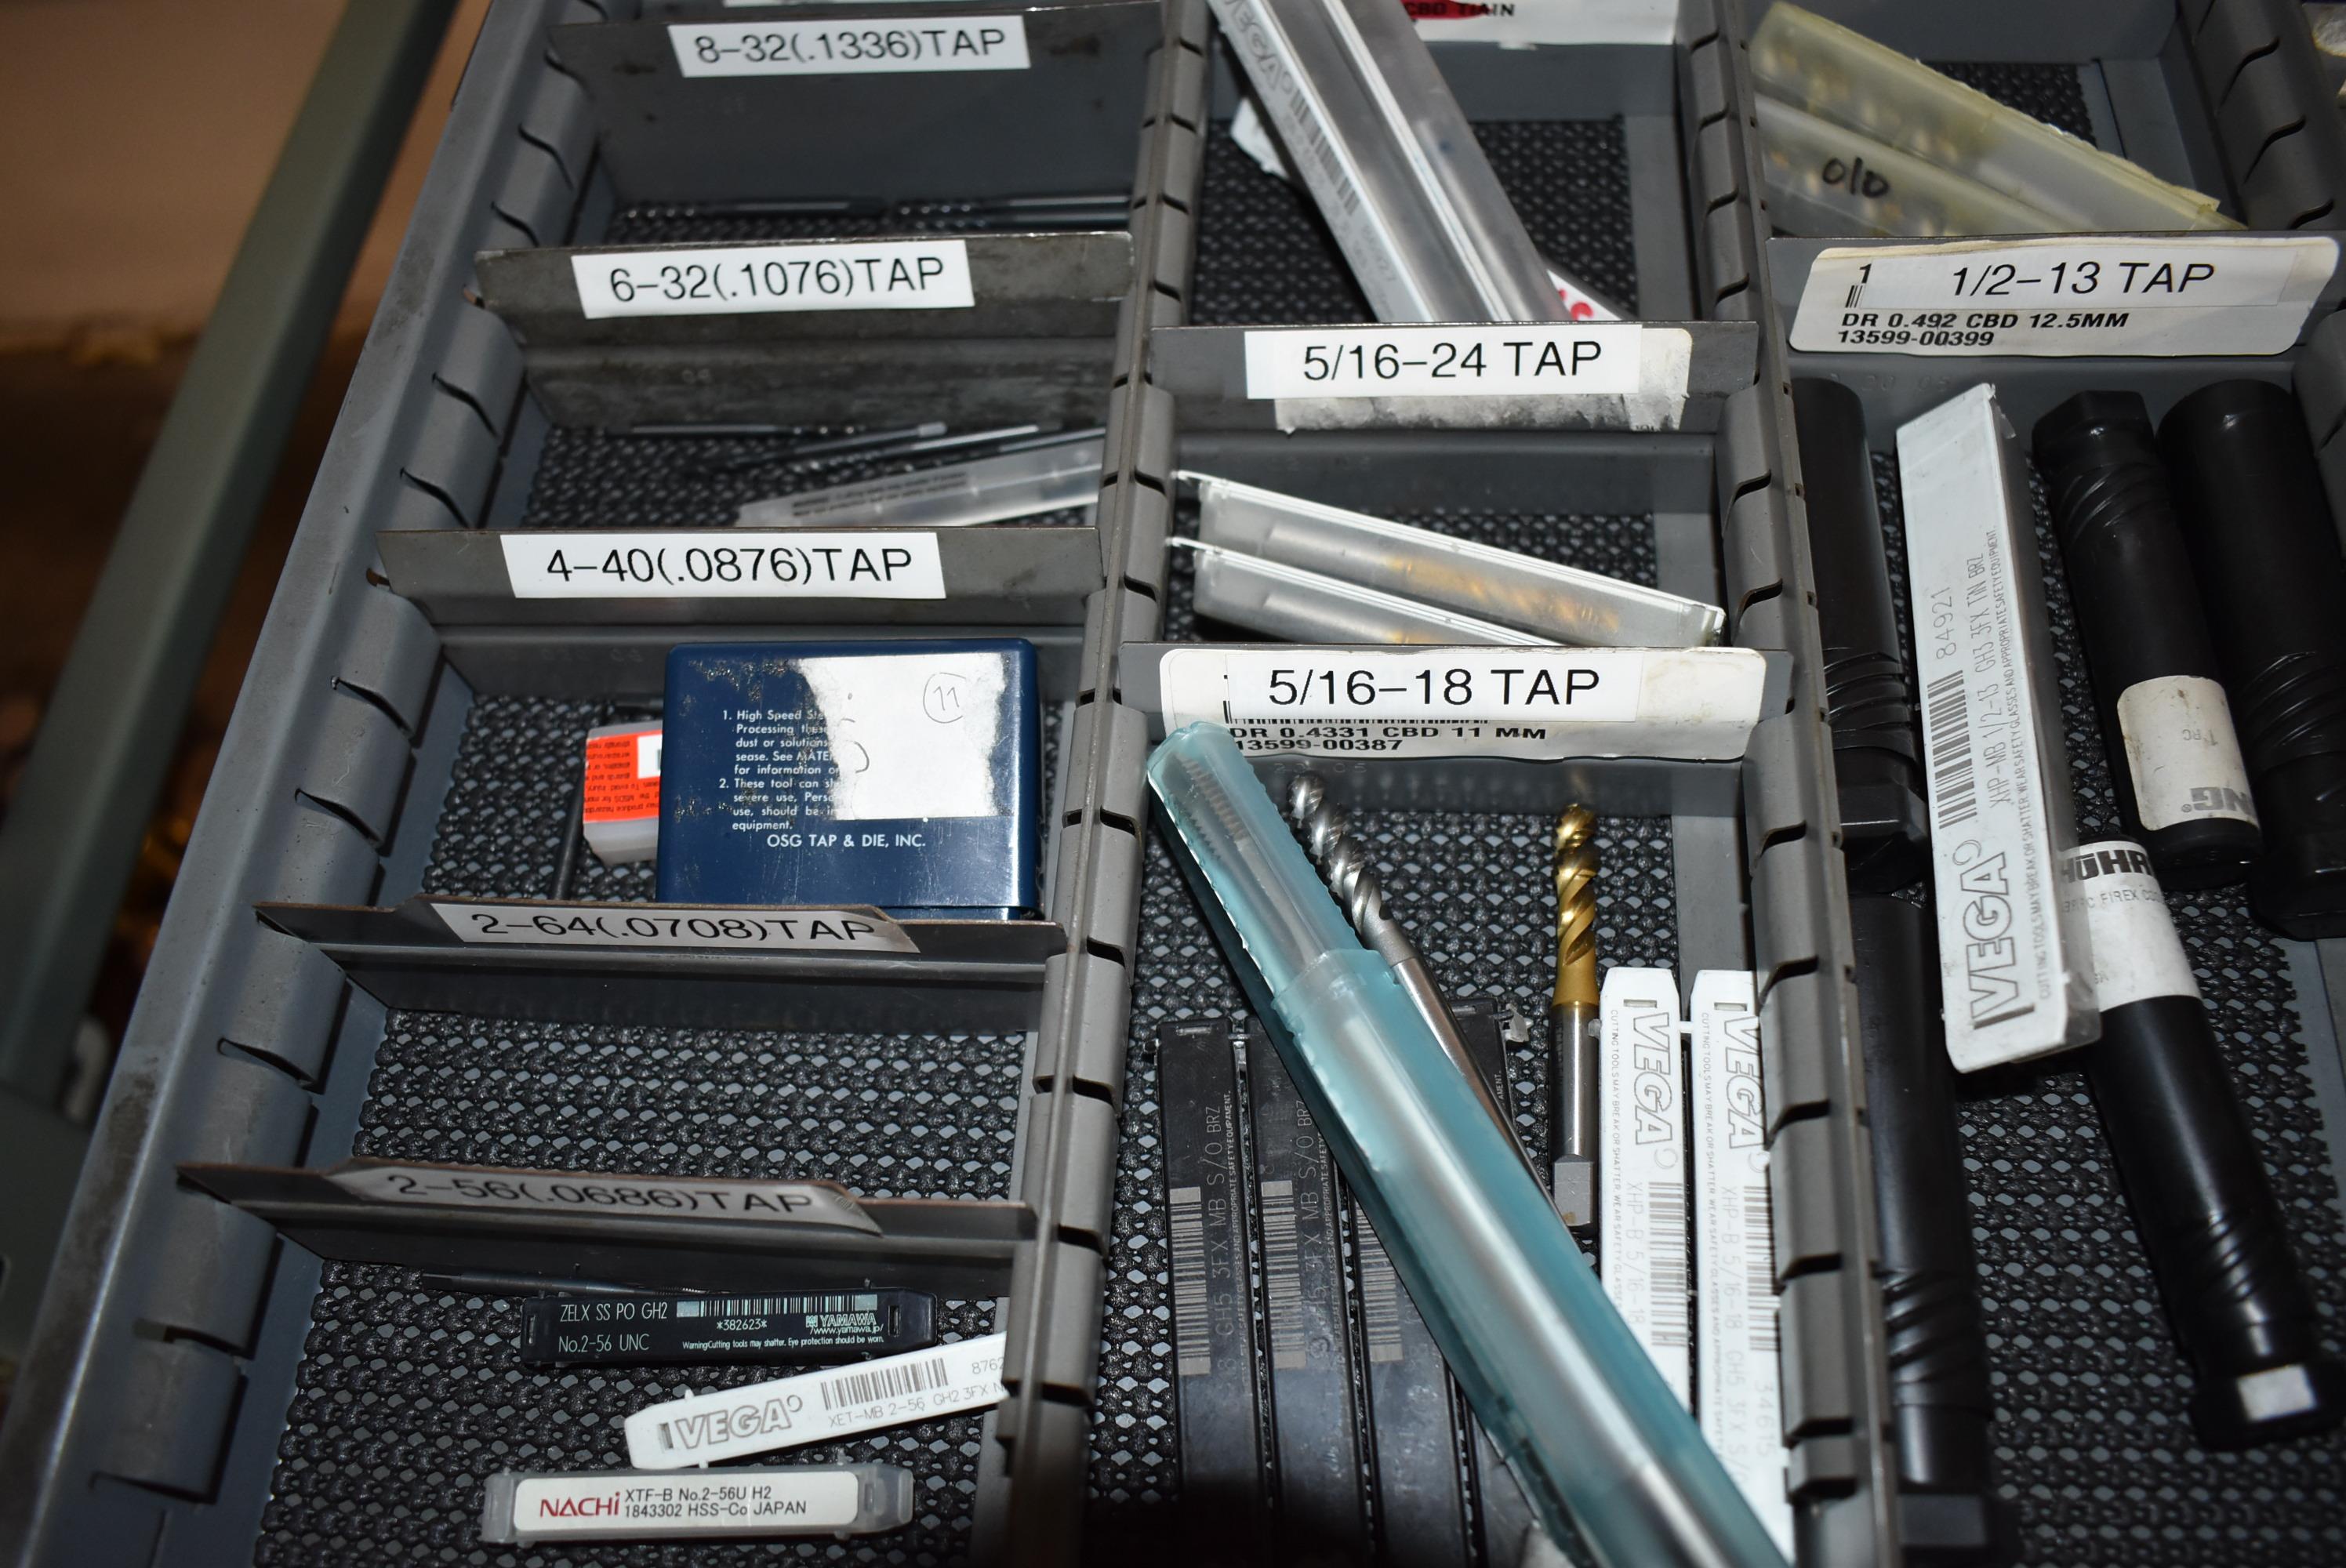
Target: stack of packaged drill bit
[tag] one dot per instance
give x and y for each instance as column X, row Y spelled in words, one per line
column 1291, row 568
column 1858, row 139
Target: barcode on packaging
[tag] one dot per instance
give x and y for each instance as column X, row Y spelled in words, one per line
column 1190, row 1292
column 1739, row 1387
column 1642, row 1169
column 816, row 1406
column 2015, row 979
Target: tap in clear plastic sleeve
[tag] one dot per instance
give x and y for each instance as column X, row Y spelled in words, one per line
column 1302, row 607
column 1587, row 1425
column 1553, row 601
column 1042, row 478
column 1848, row 80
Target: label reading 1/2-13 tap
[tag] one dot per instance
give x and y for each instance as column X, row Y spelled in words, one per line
column 753, row 280
column 2188, row 294
column 1515, row 361
column 1532, row 702
column 727, row 564
column 864, row 47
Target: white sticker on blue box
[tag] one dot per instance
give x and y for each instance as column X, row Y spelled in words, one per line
column 896, row 773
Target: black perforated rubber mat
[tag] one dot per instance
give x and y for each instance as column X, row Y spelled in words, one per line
column 2093, row 1444
column 407, row 1395
column 1264, row 258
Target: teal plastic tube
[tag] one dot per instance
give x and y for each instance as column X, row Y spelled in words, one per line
column 1591, row 1431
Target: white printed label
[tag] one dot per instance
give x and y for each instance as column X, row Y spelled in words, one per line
column 752, row 280
column 674, row 925
column 2006, row 960
column 1641, row 1184
column 918, row 1386
column 722, row 1502
column 2136, row 954
column 862, row 46
column 2206, row 294
column 1538, row 360
column 648, row 754
column 1692, row 703
column 1739, row 1391
column 571, row 1192
column 2182, row 752
column 1522, row 23
column 697, row 563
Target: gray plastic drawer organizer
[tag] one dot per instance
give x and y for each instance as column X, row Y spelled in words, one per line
column 245, row 1364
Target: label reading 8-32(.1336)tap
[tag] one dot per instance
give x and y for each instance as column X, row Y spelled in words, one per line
column 861, row 46
column 2184, row 294
column 758, row 280
column 1535, row 358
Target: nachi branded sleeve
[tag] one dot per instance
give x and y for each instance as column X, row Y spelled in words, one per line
column 902, row 774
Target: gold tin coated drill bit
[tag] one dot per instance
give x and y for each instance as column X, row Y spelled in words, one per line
column 1571, row 1018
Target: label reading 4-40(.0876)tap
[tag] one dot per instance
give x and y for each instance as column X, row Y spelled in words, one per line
column 2184, row 294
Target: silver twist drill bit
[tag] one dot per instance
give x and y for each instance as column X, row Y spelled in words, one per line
column 1572, row 1019
column 1345, row 865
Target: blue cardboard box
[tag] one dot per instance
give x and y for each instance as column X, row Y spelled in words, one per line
column 901, row 774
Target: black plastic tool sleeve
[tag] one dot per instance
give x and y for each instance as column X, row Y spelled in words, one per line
column 1869, row 699
column 1218, row 1399
column 606, row 1331
column 1940, row 1399
column 2138, row 615
column 1322, row 1513
column 2266, row 553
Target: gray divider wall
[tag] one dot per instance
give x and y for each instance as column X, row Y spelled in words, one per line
column 144, row 1427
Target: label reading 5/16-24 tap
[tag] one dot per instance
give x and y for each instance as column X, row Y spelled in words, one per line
column 862, row 46
column 1590, row 357
column 2189, row 294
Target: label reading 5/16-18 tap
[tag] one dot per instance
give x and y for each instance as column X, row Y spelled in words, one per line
column 1533, row 702
column 2193, row 294
column 864, row 47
